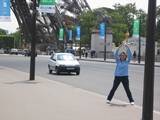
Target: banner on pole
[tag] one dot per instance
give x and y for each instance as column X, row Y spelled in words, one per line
column 70, row 35
column 102, row 31
column 78, row 33
column 136, row 28
column 5, row 10
column 61, row 34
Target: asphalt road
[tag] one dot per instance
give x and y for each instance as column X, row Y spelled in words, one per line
column 94, row 76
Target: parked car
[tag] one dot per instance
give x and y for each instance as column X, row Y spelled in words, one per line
column 20, row 51
column 26, row 52
column 2, row 51
column 63, row 62
column 14, row 51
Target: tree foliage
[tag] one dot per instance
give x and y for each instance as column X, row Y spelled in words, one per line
column 88, row 22
column 3, row 32
column 17, row 39
column 6, row 41
column 120, row 19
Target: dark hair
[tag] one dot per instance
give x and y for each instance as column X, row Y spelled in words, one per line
column 124, row 54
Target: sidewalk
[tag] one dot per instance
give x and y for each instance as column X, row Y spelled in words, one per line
column 45, row 99
column 157, row 64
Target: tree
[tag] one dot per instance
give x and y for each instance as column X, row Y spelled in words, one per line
column 142, row 16
column 120, row 19
column 88, row 22
column 119, row 28
column 125, row 15
column 17, row 39
column 3, row 32
column 127, row 12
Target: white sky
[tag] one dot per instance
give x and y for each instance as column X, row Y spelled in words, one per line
column 143, row 4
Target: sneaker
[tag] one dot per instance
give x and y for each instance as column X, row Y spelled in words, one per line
column 108, row 101
column 132, row 103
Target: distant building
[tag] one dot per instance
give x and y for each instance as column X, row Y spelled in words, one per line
column 97, row 44
column 133, row 43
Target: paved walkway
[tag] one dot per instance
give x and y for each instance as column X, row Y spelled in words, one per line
column 157, row 64
column 43, row 99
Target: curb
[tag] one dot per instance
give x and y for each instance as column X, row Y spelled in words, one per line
column 142, row 64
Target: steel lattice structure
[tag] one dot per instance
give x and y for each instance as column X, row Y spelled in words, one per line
column 47, row 24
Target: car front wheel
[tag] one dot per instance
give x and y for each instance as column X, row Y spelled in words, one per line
column 57, row 71
column 78, row 72
column 50, row 71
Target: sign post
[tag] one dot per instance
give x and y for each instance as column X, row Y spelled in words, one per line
column 4, row 10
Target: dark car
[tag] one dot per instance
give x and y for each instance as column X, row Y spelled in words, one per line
column 70, row 51
column 27, row 52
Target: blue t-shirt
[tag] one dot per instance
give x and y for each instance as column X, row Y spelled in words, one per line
column 122, row 66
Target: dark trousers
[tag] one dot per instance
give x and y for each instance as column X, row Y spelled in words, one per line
column 125, row 82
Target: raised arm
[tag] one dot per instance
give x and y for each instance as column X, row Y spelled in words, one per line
column 116, row 55
column 129, row 53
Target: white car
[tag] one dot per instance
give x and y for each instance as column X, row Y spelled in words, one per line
column 14, row 51
column 63, row 62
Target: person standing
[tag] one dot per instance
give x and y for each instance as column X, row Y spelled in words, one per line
column 121, row 74
column 134, row 56
column 86, row 54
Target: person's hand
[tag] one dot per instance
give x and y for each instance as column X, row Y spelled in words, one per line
column 126, row 46
column 120, row 45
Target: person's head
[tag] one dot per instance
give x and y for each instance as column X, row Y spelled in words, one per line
column 123, row 56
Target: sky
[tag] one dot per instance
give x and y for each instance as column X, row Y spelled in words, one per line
column 140, row 4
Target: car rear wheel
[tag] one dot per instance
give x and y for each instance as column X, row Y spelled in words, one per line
column 50, row 71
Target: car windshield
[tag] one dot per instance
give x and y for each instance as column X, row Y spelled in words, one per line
column 65, row 57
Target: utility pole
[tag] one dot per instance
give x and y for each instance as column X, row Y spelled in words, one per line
column 148, row 90
column 139, row 47
column 105, row 41
column 33, row 42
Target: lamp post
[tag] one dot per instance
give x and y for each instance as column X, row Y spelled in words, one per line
column 33, row 42
column 148, row 91
column 105, row 47
column 139, row 42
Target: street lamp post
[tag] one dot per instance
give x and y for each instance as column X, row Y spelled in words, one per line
column 139, row 44
column 33, row 42
column 148, row 91
column 105, row 37
column 105, row 47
